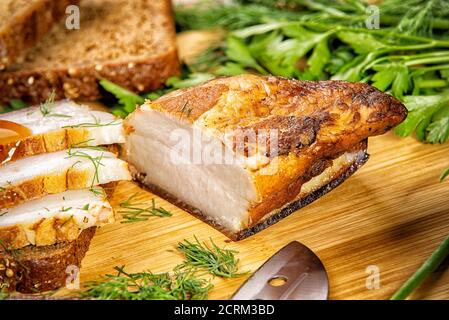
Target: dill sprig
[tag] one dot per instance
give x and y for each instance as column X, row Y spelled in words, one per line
column 86, row 145
column 138, row 211
column 95, row 124
column 96, row 162
column 47, row 106
column 217, row 261
column 148, row 286
column 98, row 192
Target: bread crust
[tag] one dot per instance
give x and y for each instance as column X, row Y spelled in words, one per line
column 35, row 86
column 29, row 27
column 39, row 269
column 81, row 81
column 48, row 231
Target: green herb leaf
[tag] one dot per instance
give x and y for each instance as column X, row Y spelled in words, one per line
column 230, row 69
column 128, row 99
column 383, row 79
column 319, row 58
column 17, row 104
column 444, row 175
column 438, row 130
column 192, row 80
column 421, row 109
column 362, row 43
column 401, row 81
column 237, row 51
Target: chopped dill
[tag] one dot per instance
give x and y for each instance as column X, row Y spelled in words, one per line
column 147, row 286
column 96, row 123
column 98, row 192
column 136, row 211
column 217, row 261
column 95, row 160
column 46, row 107
column 86, row 145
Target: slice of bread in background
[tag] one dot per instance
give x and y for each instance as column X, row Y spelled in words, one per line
column 24, row 22
column 131, row 43
column 38, row 269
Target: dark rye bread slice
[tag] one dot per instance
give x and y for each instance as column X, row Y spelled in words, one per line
column 39, row 269
column 24, row 22
column 131, row 43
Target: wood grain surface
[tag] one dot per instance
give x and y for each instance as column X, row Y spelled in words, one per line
column 391, row 214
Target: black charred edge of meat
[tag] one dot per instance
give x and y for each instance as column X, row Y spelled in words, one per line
column 284, row 212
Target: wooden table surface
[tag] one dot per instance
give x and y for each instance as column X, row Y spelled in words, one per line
column 389, row 216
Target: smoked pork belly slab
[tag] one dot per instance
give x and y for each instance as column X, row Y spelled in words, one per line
column 59, row 125
column 308, row 138
column 54, row 218
column 49, row 173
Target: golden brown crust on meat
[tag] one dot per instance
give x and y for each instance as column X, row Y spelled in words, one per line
column 248, row 100
column 316, row 122
column 299, row 202
column 38, row 187
column 42, row 143
column 276, row 196
column 193, row 102
column 38, row 269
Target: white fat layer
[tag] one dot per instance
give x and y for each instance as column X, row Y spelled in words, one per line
column 85, row 207
column 223, row 191
column 107, row 129
column 108, row 167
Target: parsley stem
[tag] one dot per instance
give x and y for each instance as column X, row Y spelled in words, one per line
column 427, row 60
column 432, row 83
column 427, row 268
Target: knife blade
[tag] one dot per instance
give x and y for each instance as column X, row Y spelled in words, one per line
column 293, row 273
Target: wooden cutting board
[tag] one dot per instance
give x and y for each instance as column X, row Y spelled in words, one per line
column 391, row 214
